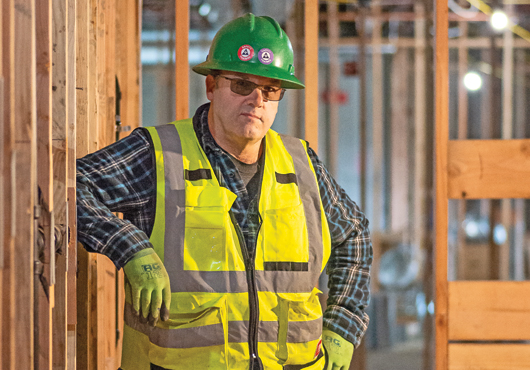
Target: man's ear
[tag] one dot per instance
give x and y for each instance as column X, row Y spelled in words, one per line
column 210, row 86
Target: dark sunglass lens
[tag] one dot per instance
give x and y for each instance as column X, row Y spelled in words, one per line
column 242, row 87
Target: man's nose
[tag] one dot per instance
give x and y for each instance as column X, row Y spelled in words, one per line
column 257, row 97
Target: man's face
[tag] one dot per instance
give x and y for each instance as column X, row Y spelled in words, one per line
column 238, row 119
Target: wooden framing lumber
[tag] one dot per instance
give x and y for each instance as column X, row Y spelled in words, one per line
column 441, row 98
column 489, row 311
column 332, row 147
column 43, row 303
column 9, row 219
column 489, row 169
column 71, row 236
column 399, row 127
column 377, row 119
column 492, row 356
column 60, row 101
column 311, row 72
column 182, row 66
column 3, row 177
column 24, row 95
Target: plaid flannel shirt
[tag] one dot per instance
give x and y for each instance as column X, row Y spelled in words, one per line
column 122, row 178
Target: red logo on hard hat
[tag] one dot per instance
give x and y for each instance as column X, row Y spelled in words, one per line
column 245, row 52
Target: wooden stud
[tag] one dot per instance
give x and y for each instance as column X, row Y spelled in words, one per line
column 82, row 145
column 489, row 169
column 420, row 133
column 24, row 95
column 507, row 133
column 60, row 100
column 9, row 219
column 311, row 72
column 3, row 177
column 399, row 127
column 43, row 303
column 464, row 356
column 489, row 310
column 182, row 66
column 71, row 247
column 441, row 202
column 332, row 147
column 377, row 220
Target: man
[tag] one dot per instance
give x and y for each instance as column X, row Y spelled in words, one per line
column 228, row 226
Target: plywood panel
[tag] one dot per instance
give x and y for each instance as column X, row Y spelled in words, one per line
column 489, row 356
column 489, row 310
column 489, row 169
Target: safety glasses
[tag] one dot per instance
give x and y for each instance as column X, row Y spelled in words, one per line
column 245, row 87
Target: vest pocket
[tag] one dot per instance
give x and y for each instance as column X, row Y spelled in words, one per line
column 299, row 324
column 285, row 238
column 205, row 228
column 194, row 339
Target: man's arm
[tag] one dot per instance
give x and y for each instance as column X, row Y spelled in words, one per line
column 350, row 260
column 117, row 178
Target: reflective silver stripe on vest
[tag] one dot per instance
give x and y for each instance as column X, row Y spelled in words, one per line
column 310, row 194
column 234, row 281
column 212, row 335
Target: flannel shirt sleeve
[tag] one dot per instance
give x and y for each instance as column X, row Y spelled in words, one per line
column 351, row 257
column 117, row 178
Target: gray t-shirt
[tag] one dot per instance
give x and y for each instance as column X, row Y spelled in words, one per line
column 250, row 174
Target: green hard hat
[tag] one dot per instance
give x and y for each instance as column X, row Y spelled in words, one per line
column 253, row 45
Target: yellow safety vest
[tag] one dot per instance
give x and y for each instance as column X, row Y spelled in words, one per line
column 226, row 305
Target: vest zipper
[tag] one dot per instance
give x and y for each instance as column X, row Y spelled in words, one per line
column 255, row 362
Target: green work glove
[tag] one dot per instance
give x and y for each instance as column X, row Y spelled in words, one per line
column 339, row 350
column 149, row 284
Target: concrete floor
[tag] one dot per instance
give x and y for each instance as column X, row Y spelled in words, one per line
column 405, row 356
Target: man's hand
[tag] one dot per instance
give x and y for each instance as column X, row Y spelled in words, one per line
column 149, row 285
column 339, row 350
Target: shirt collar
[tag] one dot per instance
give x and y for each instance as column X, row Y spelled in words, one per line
column 200, row 125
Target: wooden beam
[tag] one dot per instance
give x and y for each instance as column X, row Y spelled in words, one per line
column 83, row 92
column 43, row 305
column 8, row 217
column 489, row 310
column 60, row 101
column 399, row 136
column 71, row 247
column 489, row 169
column 464, row 356
column 182, row 65
column 377, row 220
column 311, row 72
column 128, row 63
column 332, row 147
column 3, row 178
column 441, row 202
column 24, row 95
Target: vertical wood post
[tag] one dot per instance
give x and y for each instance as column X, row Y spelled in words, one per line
column 377, row 119
column 311, row 72
column 182, row 24
column 43, row 304
column 24, row 94
column 71, row 247
column 334, row 78
column 59, row 135
column 441, row 201
column 8, row 217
